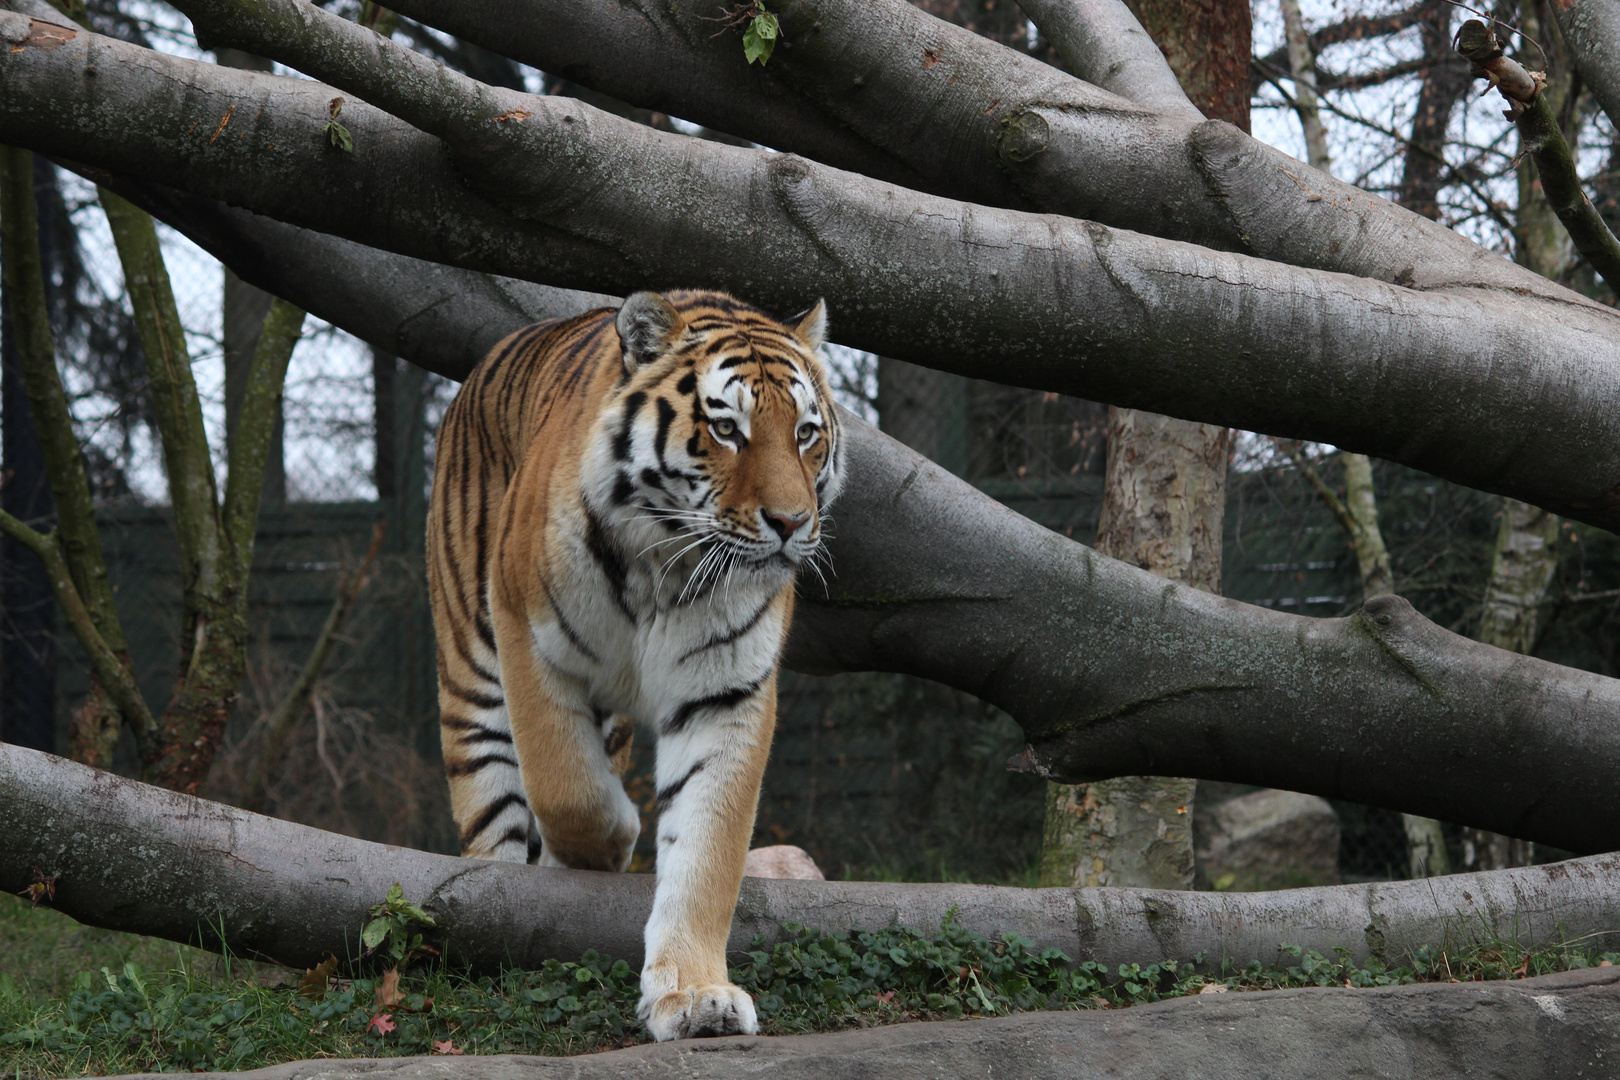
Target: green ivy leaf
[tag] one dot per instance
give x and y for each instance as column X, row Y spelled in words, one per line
column 759, row 40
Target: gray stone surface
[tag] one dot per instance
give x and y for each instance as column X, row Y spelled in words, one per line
column 1268, row 840
column 1550, row 1028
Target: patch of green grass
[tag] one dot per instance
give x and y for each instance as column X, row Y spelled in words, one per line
column 133, row 1004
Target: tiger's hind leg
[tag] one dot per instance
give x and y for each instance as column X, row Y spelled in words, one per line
column 710, row 764
column 486, row 787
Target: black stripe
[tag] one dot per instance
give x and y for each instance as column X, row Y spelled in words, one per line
column 534, row 848
column 667, row 796
column 491, row 812
column 608, row 558
column 514, row 833
column 471, row 661
column 486, row 632
column 732, row 635
column 623, row 490
column 621, row 441
column 471, row 697
column 467, row 768
column 566, row 627
column 687, row 384
column 480, row 732
column 666, row 417
column 725, row 699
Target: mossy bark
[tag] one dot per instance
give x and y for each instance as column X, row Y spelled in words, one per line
column 215, row 539
column 96, row 721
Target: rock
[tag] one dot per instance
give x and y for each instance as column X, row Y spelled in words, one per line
column 1267, row 840
column 1548, row 1028
column 782, row 861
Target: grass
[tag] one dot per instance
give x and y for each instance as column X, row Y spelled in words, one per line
column 76, row 1001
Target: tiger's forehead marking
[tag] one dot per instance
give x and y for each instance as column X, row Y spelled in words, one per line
column 737, row 373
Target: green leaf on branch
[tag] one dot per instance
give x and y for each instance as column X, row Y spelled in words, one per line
column 336, row 134
column 759, row 40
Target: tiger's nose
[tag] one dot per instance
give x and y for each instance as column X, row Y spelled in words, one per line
column 784, row 525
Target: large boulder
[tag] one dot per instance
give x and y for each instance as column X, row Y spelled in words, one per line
column 1267, row 840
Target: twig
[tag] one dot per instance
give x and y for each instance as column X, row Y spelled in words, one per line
column 278, row 732
column 1544, row 142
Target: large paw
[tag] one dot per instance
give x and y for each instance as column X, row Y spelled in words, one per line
column 700, row 1012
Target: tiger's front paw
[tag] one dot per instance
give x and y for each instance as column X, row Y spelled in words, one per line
column 699, row 1012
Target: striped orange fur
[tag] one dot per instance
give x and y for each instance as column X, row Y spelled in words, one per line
column 620, row 503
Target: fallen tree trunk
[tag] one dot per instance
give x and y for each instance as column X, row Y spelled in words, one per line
column 1555, row 1026
column 127, row 856
column 1110, row 670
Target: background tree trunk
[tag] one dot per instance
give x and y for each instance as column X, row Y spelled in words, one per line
column 1164, row 499
column 28, row 632
column 245, row 308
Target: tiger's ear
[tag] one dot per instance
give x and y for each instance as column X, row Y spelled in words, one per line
column 648, row 326
column 812, row 328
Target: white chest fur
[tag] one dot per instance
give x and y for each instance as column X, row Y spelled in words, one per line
column 643, row 646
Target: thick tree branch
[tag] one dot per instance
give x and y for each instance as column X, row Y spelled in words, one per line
column 1025, row 299
column 1103, row 43
column 1113, row 670
column 992, row 125
column 1592, row 32
column 132, row 857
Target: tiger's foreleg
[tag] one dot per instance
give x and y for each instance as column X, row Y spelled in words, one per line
column 709, row 771
column 570, row 758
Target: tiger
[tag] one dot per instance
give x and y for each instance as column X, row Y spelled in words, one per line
column 620, row 504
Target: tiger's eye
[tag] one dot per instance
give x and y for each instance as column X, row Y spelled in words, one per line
column 723, row 427
column 807, row 432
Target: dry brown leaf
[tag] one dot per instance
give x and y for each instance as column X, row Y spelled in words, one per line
column 313, row 984
column 388, row 993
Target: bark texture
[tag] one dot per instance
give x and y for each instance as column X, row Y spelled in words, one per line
column 1164, row 499
column 1549, row 1028
column 971, row 289
column 245, row 309
column 128, row 856
column 1591, row 28
column 1107, row 667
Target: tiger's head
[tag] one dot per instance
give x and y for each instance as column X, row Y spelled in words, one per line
column 720, row 445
